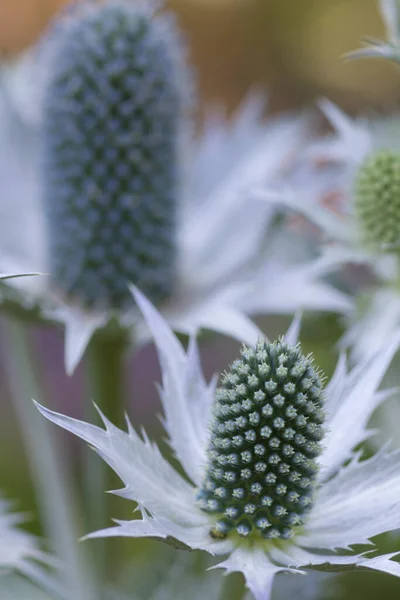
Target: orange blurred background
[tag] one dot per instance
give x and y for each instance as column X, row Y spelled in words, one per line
column 291, row 47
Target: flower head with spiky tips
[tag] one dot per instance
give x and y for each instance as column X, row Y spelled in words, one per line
column 113, row 112
column 260, row 487
column 129, row 198
column 266, row 430
column 377, row 201
column 351, row 193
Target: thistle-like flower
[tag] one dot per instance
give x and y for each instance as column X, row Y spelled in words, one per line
column 129, row 198
column 113, row 112
column 263, row 457
column 358, row 166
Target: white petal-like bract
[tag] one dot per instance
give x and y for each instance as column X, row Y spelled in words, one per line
column 352, row 504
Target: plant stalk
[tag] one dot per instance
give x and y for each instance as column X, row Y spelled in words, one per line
column 105, row 367
column 54, row 494
column 233, row 588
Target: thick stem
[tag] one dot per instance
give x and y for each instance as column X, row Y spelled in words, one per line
column 105, row 364
column 233, row 588
column 54, row 495
column 105, row 369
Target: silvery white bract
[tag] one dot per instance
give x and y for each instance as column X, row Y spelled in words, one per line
column 19, row 550
column 229, row 259
column 389, row 49
column 354, row 499
column 328, row 200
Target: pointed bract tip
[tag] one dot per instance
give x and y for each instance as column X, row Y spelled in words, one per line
column 155, row 321
column 46, row 412
column 40, row 408
column 292, row 334
column 139, row 297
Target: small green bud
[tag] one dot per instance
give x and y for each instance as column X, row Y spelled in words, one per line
column 377, row 201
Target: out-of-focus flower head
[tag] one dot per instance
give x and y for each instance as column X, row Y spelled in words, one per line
column 271, row 475
column 120, row 191
column 357, row 167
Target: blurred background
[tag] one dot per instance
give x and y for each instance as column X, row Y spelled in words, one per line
column 291, row 48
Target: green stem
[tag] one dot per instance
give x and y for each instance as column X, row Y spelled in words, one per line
column 105, row 363
column 49, row 477
column 233, row 588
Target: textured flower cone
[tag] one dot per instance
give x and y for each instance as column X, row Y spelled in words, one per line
column 377, row 201
column 113, row 111
column 264, row 444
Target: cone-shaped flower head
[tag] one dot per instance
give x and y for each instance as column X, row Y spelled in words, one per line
column 264, row 443
column 112, row 121
column 267, row 515
column 377, row 201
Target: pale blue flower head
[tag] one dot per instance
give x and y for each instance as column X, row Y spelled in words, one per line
column 130, row 195
column 258, row 485
column 116, row 96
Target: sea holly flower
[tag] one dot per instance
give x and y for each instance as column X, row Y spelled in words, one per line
column 125, row 194
column 389, row 49
column 271, row 480
column 358, row 168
